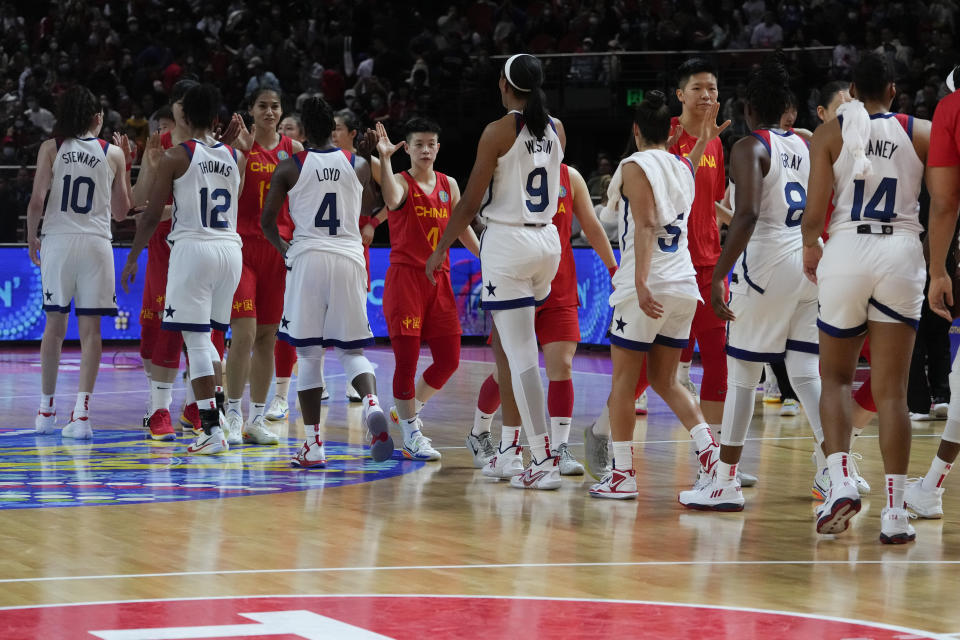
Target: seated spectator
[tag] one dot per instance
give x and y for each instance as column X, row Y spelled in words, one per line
column 39, row 117
column 260, row 77
column 768, row 34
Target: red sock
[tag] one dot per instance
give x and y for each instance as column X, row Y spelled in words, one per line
column 560, row 398
column 489, row 399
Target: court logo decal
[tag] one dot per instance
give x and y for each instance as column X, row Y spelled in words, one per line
column 365, row 617
column 122, row 467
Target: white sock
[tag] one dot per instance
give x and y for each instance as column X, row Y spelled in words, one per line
column 256, row 410
column 233, row 404
column 935, row 475
column 311, row 430
column 683, row 371
column 560, row 430
column 219, row 389
column 540, row 447
column 207, row 403
column 47, row 404
column 191, row 396
column 409, row 425
column 419, row 405
column 895, row 485
column 726, row 473
column 837, row 464
column 82, row 408
column 821, row 459
column 623, row 456
column 602, row 426
column 702, row 437
column 509, row 437
column 481, row 422
column 161, row 395
column 283, row 388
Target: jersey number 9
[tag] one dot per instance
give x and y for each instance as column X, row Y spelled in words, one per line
column 796, row 197
column 539, row 192
column 327, row 214
column 71, row 197
column 213, row 220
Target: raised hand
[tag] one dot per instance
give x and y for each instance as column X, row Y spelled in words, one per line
column 676, row 132
column 237, row 135
column 709, row 129
column 153, row 152
column 384, row 147
column 365, row 143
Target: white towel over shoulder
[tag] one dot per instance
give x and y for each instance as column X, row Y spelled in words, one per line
column 671, row 179
column 855, row 131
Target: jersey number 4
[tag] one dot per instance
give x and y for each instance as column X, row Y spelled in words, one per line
column 72, row 198
column 327, row 214
column 220, row 199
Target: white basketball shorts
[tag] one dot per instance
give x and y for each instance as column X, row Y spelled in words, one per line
column 201, row 281
column 78, row 267
column 632, row 329
column 518, row 264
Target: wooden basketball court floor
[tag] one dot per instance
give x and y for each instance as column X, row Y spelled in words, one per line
column 179, row 547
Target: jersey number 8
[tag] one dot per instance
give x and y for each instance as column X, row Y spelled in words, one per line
column 796, row 197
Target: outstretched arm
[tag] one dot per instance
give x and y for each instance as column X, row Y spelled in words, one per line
column 284, row 177
column 393, row 188
column 587, row 217
column 749, row 162
column 483, row 169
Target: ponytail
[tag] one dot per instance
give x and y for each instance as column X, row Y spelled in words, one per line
column 524, row 74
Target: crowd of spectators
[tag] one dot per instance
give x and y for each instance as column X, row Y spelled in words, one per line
column 388, row 61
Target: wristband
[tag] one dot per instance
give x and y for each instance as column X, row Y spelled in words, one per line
column 374, row 222
column 612, row 271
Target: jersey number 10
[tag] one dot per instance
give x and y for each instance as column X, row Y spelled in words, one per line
column 71, row 197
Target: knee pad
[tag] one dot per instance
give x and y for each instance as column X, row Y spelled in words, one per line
column 737, row 414
column 446, row 359
column 406, row 353
column 148, row 337
column 354, row 363
column 202, row 353
column 713, row 387
column 166, row 351
column 518, row 337
column 310, row 372
column 741, row 373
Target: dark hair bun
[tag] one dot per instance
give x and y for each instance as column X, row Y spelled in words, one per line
column 654, row 100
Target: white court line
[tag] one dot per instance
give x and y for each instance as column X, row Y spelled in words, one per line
column 449, row 567
column 686, row 605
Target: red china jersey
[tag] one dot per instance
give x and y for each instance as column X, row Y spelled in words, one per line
column 158, row 241
column 563, row 289
column 945, row 133
column 416, row 227
column 703, row 234
column 261, row 163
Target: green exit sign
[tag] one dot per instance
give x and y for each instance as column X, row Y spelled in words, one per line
column 634, row 96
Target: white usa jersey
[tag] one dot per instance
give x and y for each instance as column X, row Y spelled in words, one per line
column 777, row 233
column 325, row 204
column 205, row 196
column 526, row 183
column 889, row 195
column 79, row 200
column 671, row 268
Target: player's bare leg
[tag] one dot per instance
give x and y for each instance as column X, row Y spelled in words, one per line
column 51, row 346
column 243, row 331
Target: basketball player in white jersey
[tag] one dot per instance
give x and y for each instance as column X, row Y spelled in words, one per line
column 655, row 289
column 772, row 309
column 514, row 185
column 325, row 302
column 205, row 177
column 84, row 180
column 870, row 275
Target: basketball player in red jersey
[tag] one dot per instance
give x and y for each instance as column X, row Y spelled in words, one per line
column 372, row 213
column 558, row 331
column 284, row 354
column 419, row 202
column 258, row 301
column 160, row 349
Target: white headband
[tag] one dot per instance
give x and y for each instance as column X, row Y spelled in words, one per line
column 506, row 71
column 950, row 84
